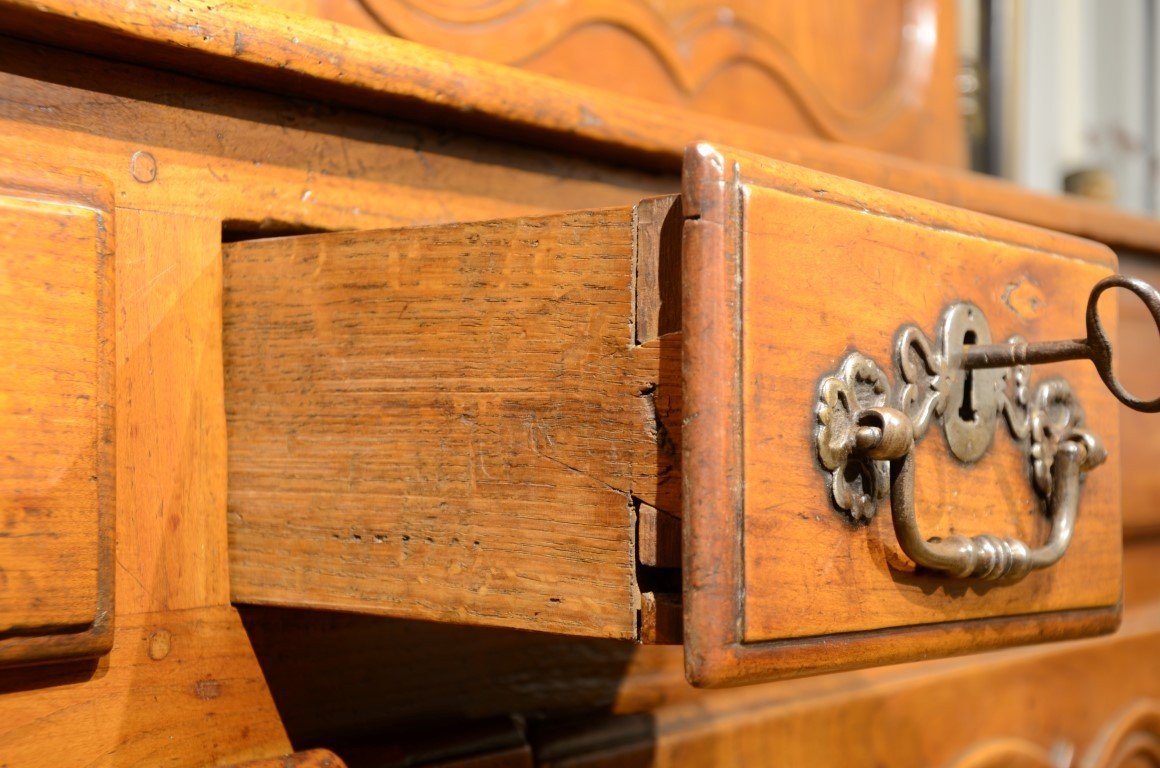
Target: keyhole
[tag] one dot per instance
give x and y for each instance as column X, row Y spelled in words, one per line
column 967, row 406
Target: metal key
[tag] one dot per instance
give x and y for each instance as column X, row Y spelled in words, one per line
column 1096, row 346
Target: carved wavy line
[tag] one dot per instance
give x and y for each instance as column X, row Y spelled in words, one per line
column 703, row 45
column 1133, row 733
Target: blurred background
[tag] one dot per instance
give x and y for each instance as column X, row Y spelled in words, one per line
column 1062, row 95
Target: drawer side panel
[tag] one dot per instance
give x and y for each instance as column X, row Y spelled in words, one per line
column 432, row 422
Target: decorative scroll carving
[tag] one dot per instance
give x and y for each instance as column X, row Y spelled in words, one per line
column 693, row 42
column 1132, row 738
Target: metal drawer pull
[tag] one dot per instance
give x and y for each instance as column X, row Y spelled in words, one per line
column 886, row 433
column 868, row 428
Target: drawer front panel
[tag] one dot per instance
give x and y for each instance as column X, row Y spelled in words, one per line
column 786, row 272
column 56, row 479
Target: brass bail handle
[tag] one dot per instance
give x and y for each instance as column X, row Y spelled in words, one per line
column 1096, row 346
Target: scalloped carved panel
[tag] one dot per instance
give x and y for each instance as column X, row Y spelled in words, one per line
column 877, row 74
column 1130, row 739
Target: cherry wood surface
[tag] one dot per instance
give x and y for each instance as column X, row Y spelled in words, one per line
column 180, row 685
column 785, row 270
column 191, row 161
column 435, row 422
column 57, row 484
column 178, row 688
column 879, row 75
column 246, row 42
column 265, row 165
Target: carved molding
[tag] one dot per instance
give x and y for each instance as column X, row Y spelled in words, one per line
column 692, row 45
column 1130, row 740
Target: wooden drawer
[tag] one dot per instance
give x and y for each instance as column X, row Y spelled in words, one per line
column 607, row 423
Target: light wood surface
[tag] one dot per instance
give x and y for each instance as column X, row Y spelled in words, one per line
column 267, row 165
column 57, row 485
column 433, row 422
column 880, row 75
column 178, row 689
column 814, row 286
column 180, row 685
column 785, row 271
column 249, row 44
column 171, row 544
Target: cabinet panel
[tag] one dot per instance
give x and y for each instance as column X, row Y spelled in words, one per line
column 56, row 414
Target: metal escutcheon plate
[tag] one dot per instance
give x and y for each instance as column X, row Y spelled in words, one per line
column 971, row 412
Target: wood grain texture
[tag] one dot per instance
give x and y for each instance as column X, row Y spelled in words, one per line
column 180, row 685
column 250, row 44
column 249, row 163
column 768, row 247
column 266, row 165
column 658, row 267
column 171, row 543
column 434, row 422
column 880, row 75
column 178, row 689
column 170, row 560
column 57, row 484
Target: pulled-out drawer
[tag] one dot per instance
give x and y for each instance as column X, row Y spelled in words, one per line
column 741, row 417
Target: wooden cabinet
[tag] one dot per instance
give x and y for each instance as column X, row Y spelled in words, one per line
column 454, row 399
